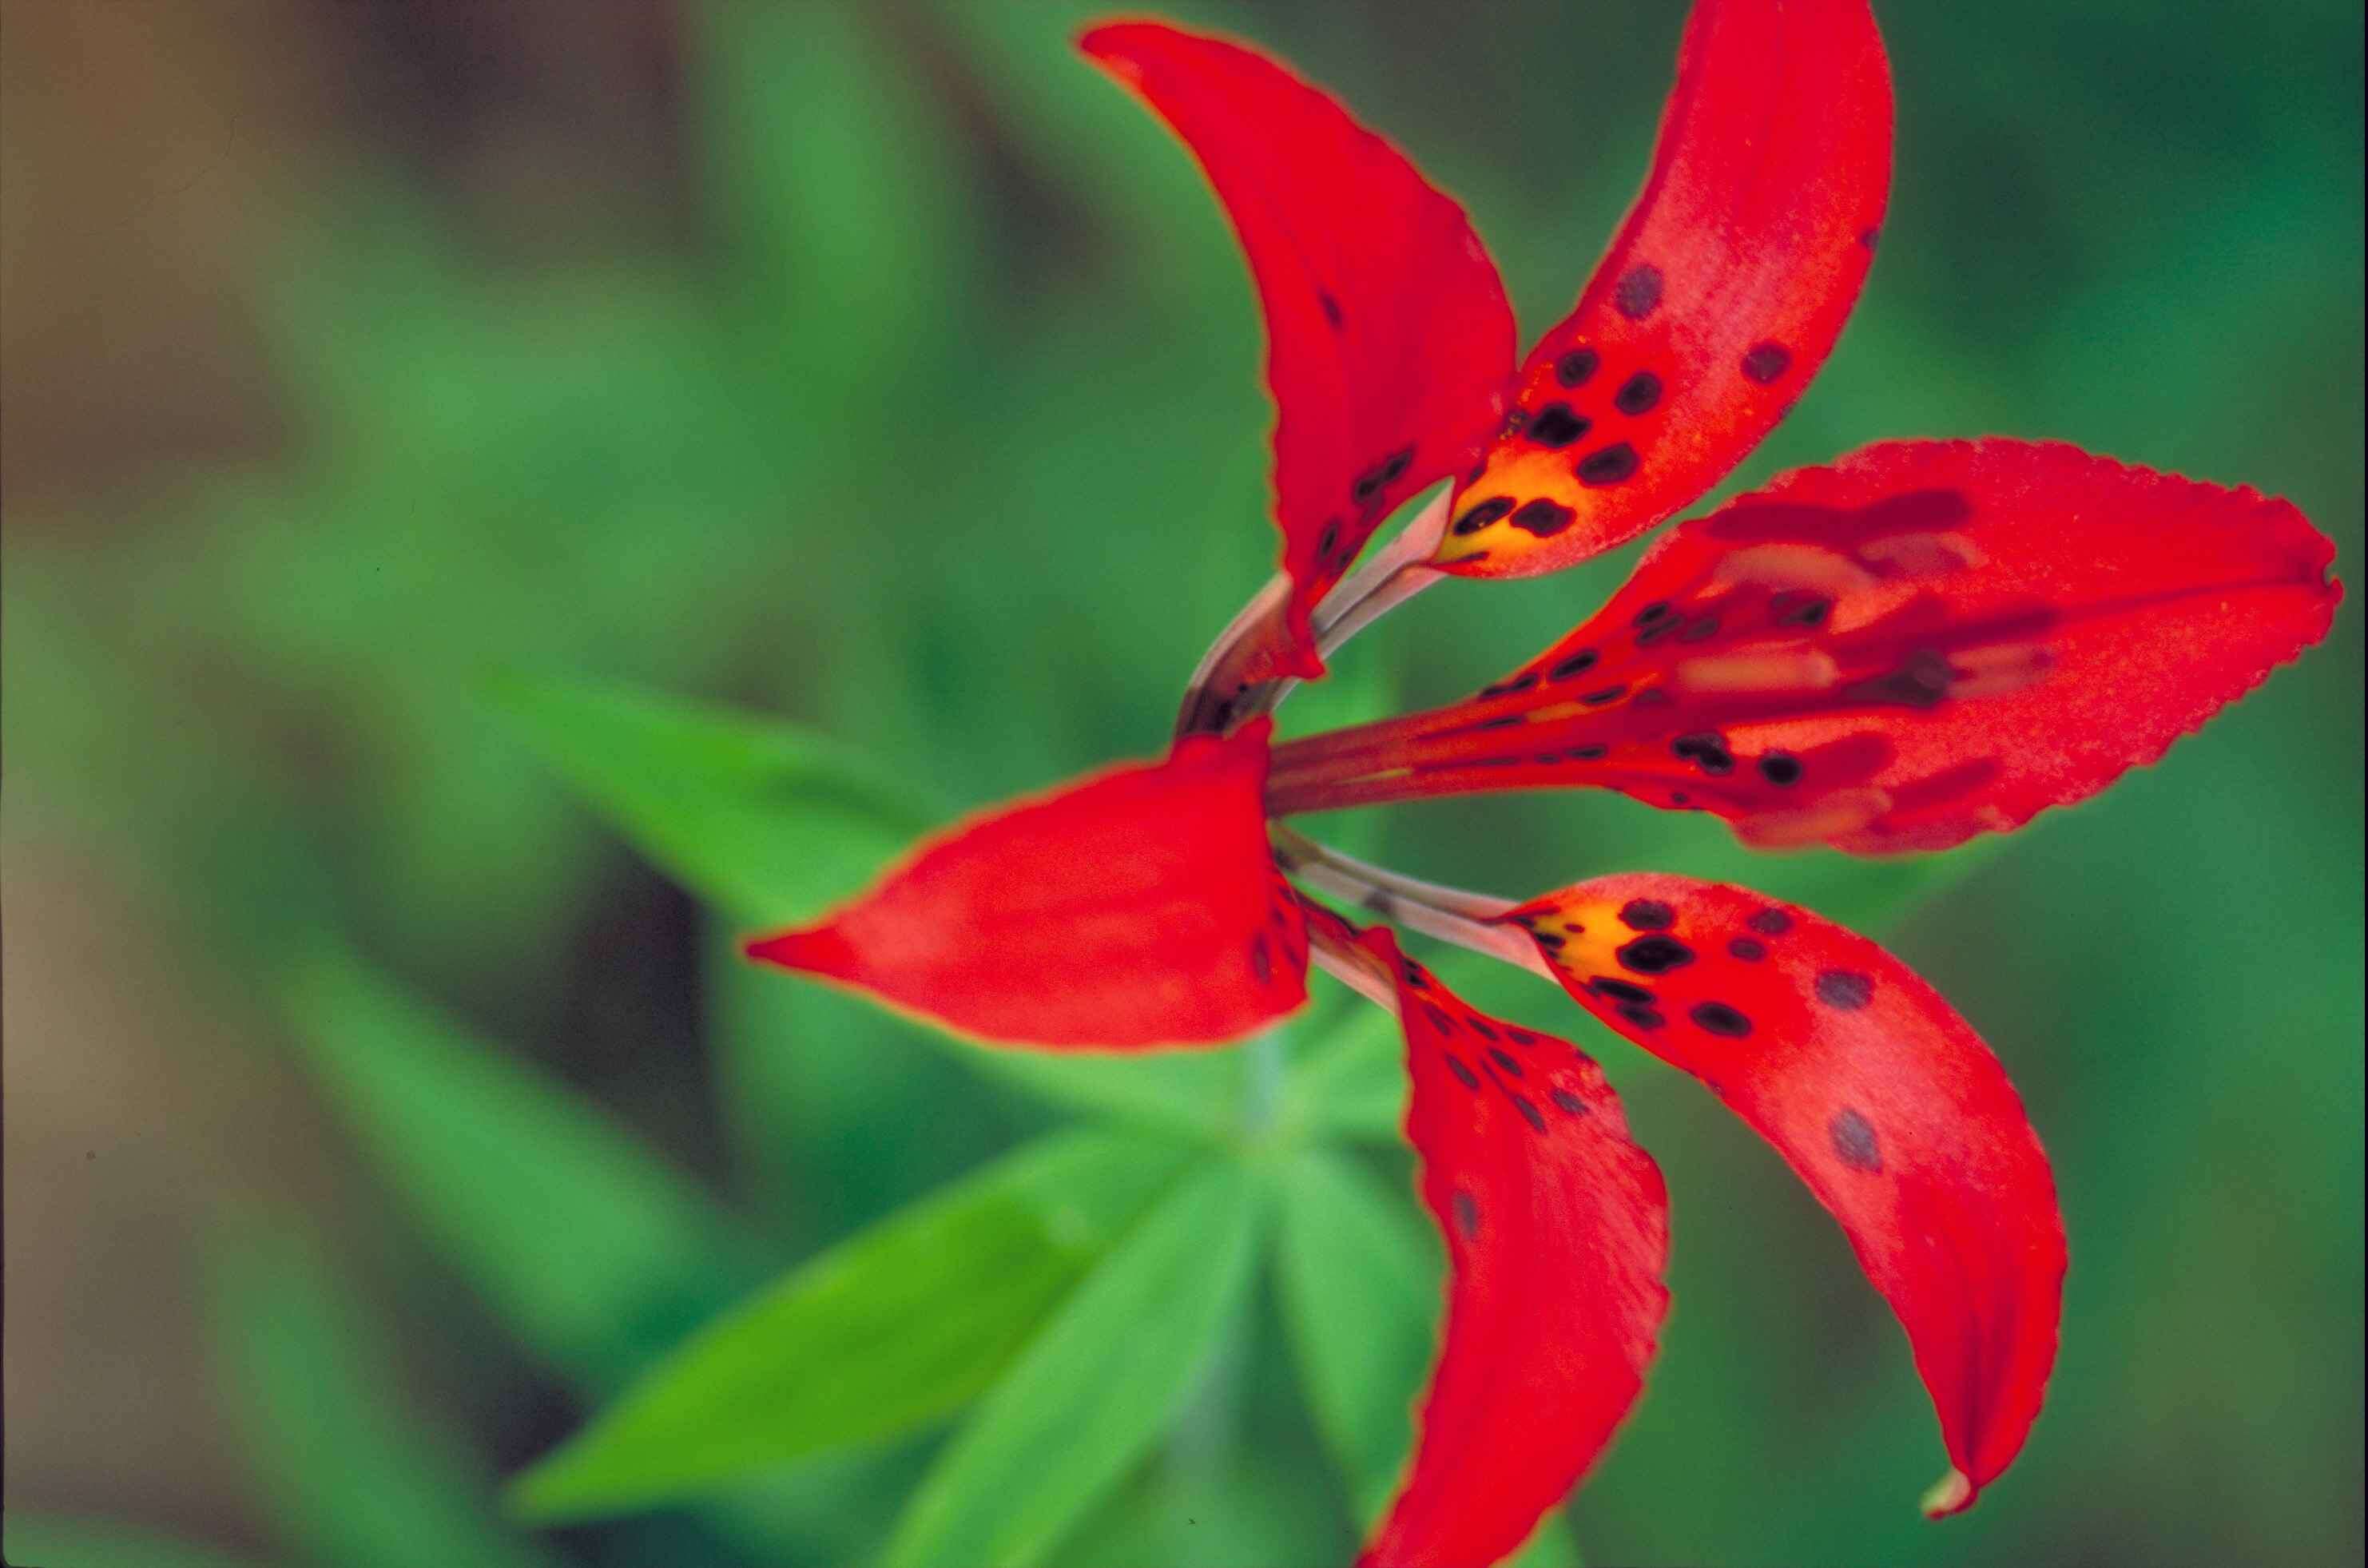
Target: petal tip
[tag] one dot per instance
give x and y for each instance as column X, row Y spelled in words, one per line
column 811, row 949
column 1952, row 1493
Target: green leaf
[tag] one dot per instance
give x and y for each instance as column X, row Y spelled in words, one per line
column 50, row 1541
column 595, row 1253
column 353, row 1473
column 1359, row 1277
column 1095, row 1389
column 1352, row 1082
column 897, row 1327
column 770, row 822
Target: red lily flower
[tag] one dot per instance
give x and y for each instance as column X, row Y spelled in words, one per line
column 1922, row 642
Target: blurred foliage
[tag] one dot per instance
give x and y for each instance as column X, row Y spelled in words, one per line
column 910, row 444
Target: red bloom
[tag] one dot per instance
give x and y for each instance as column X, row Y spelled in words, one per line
column 1925, row 642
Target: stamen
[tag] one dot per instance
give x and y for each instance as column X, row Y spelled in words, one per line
column 1451, row 914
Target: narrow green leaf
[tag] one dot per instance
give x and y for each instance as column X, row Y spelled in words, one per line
column 351, row 1471
column 1352, row 1083
column 1360, row 1277
column 1358, row 1284
column 1095, row 1390
column 897, row 1327
column 595, row 1253
column 771, row 823
column 51, row 1540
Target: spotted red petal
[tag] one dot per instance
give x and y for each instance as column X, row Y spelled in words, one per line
column 1389, row 341
column 1136, row 907
column 1880, row 1097
column 1557, row 1236
column 1928, row 641
column 1718, row 300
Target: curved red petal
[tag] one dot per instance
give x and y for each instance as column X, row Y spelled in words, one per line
column 1389, row 341
column 1136, row 907
column 1719, row 299
column 1879, row 1096
column 1927, row 641
column 1557, row 1236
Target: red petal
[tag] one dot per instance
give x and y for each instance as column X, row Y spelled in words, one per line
column 1717, row 301
column 1389, row 343
column 1557, row 1233
column 1882, row 1098
column 1925, row 642
column 1138, row 907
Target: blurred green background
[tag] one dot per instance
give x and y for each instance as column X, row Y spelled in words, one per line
column 392, row 389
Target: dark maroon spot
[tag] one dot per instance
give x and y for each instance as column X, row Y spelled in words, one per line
column 1655, row 955
column 1522, row 682
column 1701, row 630
column 1638, row 393
column 1523, row 1037
column 1763, row 362
column 1414, row 977
column 1844, row 988
column 1326, row 540
column 1505, row 1060
column 1656, row 612
column 1610, row 694
column 1478, row 470
column 1568, row 1103
column 1653, row 697
column 1854, row 1142
column 1648, row 915
column 1480, row 1025
column 1463, row 1074
column 1720, row 1019
column 1467, row 1214
column 1747, row 949
column 1920, row 681
column 1574, row 368
column 1638, row 292
column 1642, row 1017
column 1870, row 237
column 1619, row 990
column 1771, row 923
column 1609, row 465
column 1481, row 516
column 1780, row 769
column 1530, row 1113
column 1557, row 426
column 1439, row 1019
column 1261, row 962
column 1377, row 479
column 1543, row 518
column 1706, row 750
column 1576, row 664
column 1331, row 309
column 1588, row 753
column 1793, row 607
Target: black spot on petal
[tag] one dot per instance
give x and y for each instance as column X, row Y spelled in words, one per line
column 1505, row 1060
column 1481, row 516
column 1607, row 465
column 1619, row 990
column 1642, row 1017
column 1572, row 665
column 1576, row 367
column 1655, row 955
column 1530, row 1113
column 1557, row 426
column 1568, row 1103
column 1463, row 1074
column 1639, row 395
column 1543, row 518
column 1854, row 1142
column 1331, row 309
column 1771, row 923
column 1747, row 949
column 1763, row 362
column 1844, row 988
column 1467, row 1214
column 1780, row 769
column 1648, row 915
column 1638, row 292
column 1720, row 1019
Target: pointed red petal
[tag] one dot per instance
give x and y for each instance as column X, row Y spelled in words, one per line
column 1389, row 342
column 1557, row 1234
column 1717, row 301
column 1882, row 1099
column 1927, row 641
column 1138, row 907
